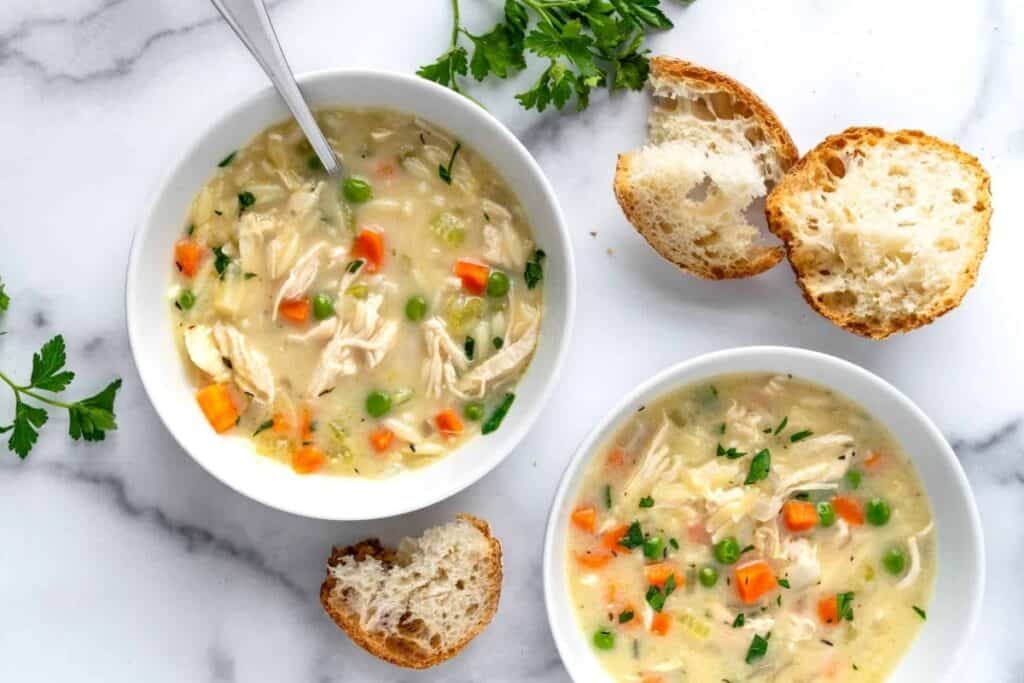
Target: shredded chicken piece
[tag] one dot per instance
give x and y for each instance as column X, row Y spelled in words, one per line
column 203, row 351
column 299, row 215
column 444, row 358
column 366, row 331
column 656, row 464
column 915, row 558
column 503, row 245
column 403, row 430
column 249, row 367
column 252, row 227
column 801, row 563
column 503, row 364
column 320, row 332
column 301, row 277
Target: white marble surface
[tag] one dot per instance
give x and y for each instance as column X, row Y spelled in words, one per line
column 126, row 562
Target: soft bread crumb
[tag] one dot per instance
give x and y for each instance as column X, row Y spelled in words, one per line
column 885, row 230
column 422, row 603
column 716, row 150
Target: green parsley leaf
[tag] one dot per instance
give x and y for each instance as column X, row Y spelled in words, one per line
column 534, row 272
column 5, row 299
column 228, row 159
column 448, row 66
column 608, row 497
column 494, row 421
column 920, row 612
column 626, row 616
column 739, row 621
column 758, row 648
column 782, row 425
column 634, row 536
column 844, row 602
column 784, row 583
column 655, row 598
column 646, row 502
column 27, row 421
column 221, row 261
column 264, row 426
column 47, row 365
column 800, row 436
column 760, row 466
column 498, row 52
column 445, row 172
column 93, row 417
column 245, row 200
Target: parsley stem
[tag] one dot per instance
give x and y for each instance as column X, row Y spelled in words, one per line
column 455, row 22
column 19, row 390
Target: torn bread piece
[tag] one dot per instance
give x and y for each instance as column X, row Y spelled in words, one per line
column 885, row 230
column 420, row 604
column 695, row 192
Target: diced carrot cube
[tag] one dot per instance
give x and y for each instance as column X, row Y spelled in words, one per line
column 593, row 560
column 585, row 518
column 473, row 275
column 294, row 310
column 381, row 439
column 849, row 508
column 281, row 425
column 828, row 610
column 308, row 459
column 187, row 256
column 369, row 245
column 873, row 460
column 661, row 623
column 448, row 422
column 616, row 457
column 799, row 515
column 610, row 539
column 306, row 425
column 218, row 407
column 657, row 574
column 753, row 580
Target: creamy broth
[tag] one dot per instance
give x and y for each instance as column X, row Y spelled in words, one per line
column 750, row 528
column 360, row 325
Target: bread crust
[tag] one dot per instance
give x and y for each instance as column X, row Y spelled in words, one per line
column 396, row 650
column 694, row 77
column 802, row 178
column 679, row 70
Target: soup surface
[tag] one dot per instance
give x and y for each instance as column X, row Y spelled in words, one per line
column 358, row 325
column 750, row 528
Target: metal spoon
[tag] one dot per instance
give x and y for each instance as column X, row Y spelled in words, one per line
column 251, row 23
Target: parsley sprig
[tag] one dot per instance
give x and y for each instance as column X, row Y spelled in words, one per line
column 587, row 44
column 89, row 418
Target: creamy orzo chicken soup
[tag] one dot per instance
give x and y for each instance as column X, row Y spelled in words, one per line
column 364, row 324
column 750, row 528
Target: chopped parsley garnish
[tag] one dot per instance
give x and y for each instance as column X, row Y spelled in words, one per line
column 782, row 425
column 634, row 537
column 494, row 421
column 608, row 496
column 470, row 347
column 263, row 427
column 674, row 543
column 758, row 648
column 221, row 261
column 445, row 172
column 760, row 466
column 655, row 598
column 249, row 276
column 845, row 606
column 497, row 342
column 354, row 266
column 746, row 550
column 646, row 502
column 190, row 230
column 626, row 616
column 534, row 271
column 245, row 200
column 721, row 428
column 784, row 583
column 920, row 612
column 730, row 452
column 739, row 621
column 800, row 436
column 670, row 585
column 228, row 159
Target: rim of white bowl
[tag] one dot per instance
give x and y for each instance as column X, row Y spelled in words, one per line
column 654, row 387
column 529, row 416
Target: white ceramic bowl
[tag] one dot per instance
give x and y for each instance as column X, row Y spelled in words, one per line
column 232, row 460
column 959, row 583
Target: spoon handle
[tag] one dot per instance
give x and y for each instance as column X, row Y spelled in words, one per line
column 251, row 23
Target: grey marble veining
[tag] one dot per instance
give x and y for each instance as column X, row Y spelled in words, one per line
column 142, row 567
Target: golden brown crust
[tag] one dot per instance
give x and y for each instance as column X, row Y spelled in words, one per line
column 764, row 259
column 396, row 650
column 811, row 173
column 670, row 68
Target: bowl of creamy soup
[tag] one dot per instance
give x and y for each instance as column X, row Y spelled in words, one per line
column 356, row 346
column 763, row 514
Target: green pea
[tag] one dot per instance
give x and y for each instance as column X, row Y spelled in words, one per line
column 474, row 411
column 826, row 514
column 187, row 300
column 894, row 560
column 356, row 190
column 877, row 512
column 853, row 478
column 415, row 308
column 604, row 639
column 727, row 551
column 323, row 306
column 378, row 403
column 497, row 284
column 654, row 546
column 708, row 576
